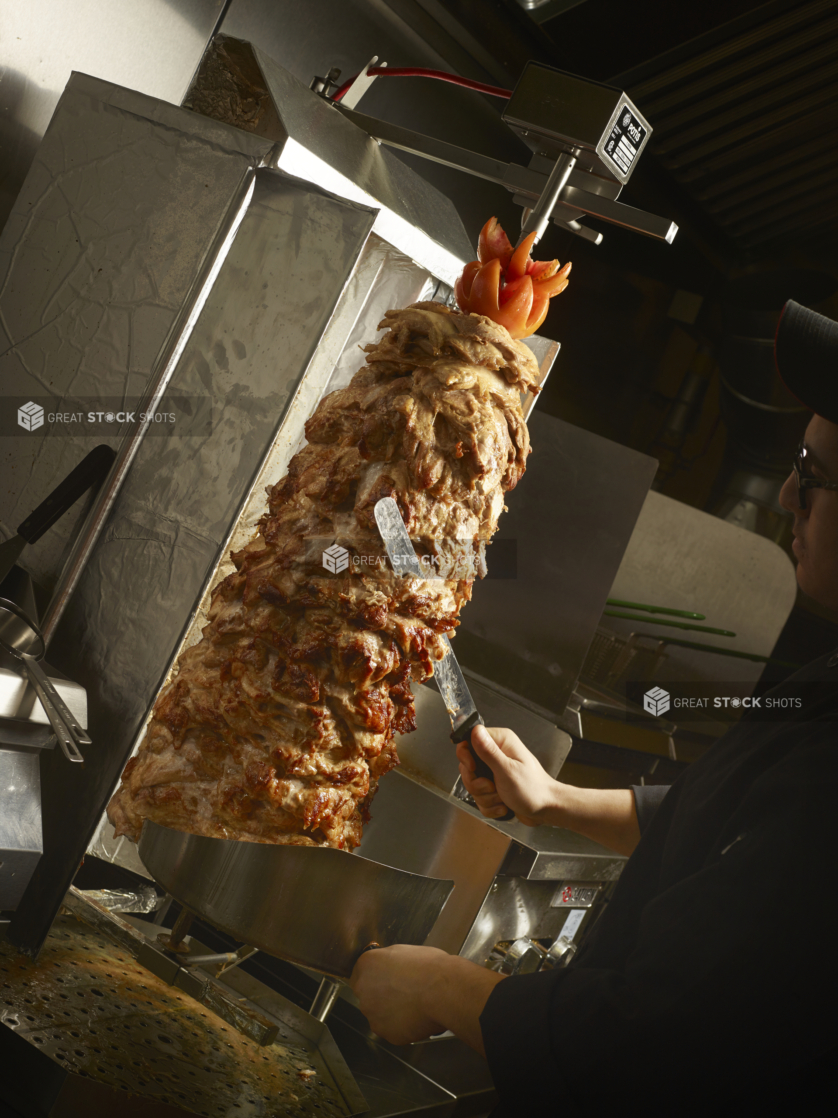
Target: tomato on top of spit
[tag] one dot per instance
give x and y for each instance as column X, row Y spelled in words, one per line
column 506, row 286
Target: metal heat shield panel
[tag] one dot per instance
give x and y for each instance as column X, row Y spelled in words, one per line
column 242, row 365
column 570, row 517
column 116, row 219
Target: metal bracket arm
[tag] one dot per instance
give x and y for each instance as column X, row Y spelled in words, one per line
column 516, row 179
column 617, row 213
column 450, row 155
column 530, row 184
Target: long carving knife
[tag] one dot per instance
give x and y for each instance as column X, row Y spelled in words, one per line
column 461, row 707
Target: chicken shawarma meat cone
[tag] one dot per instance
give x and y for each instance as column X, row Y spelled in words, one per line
column 279, row 723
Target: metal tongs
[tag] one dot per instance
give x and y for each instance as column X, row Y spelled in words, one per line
column 23, row 639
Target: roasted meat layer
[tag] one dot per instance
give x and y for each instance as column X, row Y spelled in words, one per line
column 281, row 720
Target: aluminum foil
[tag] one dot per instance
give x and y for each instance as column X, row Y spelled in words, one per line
column 144, row 899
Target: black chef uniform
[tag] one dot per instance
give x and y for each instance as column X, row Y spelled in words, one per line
column 712, row 975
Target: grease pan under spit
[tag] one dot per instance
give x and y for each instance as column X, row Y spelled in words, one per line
column 315, row 906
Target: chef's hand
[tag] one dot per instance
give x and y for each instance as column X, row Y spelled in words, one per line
column 390, row 984
column 606, row 815
column 411, row 993
column 520, row 783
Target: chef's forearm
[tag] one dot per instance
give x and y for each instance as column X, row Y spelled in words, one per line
column 455, row 995
column 606, row 815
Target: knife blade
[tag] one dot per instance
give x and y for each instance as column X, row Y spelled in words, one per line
column 461, row 707
column 90, row 470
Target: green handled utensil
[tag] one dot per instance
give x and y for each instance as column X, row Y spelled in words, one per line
column 655, row 609
column 720, row 651
column 674, row 624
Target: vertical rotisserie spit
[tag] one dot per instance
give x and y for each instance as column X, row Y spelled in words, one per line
column 279, row 723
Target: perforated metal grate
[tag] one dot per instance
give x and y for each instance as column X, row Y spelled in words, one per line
column 87, row 1005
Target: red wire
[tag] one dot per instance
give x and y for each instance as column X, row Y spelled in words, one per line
column 419, row 72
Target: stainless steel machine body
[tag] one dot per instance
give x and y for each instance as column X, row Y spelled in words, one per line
column 508, row 878
column 244, row 282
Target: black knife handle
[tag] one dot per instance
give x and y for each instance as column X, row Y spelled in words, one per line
column 481, row 769
column 92, row 469
column 463, row 733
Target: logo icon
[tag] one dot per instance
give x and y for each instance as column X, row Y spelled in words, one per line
column 626, row 120
column 30, row 416
column 336, row 559
column 656, row 701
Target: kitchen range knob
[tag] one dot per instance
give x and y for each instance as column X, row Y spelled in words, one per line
column 559, row 954
column 522, row 956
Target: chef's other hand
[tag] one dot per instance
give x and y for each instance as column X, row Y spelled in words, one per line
column 411, row 993
column 520, row 783
column 392, row 985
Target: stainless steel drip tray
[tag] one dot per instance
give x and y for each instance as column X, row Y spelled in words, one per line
column 314, row 906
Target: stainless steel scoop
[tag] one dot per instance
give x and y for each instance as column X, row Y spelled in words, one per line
column 23, row 639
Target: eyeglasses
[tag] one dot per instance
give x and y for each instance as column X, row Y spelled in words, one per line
column 805, row 479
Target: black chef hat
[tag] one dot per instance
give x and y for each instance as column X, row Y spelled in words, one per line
column 806, row 355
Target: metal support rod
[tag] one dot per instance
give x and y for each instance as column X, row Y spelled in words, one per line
column 539, row 216
column 163, row 911
column 182, row 926
column 243, row 953
column 583, row 232
column 174, row 941
column 218, row 957
column 324, row 999
column 226, row 959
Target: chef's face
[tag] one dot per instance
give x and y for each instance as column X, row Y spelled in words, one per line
column 816, row 527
